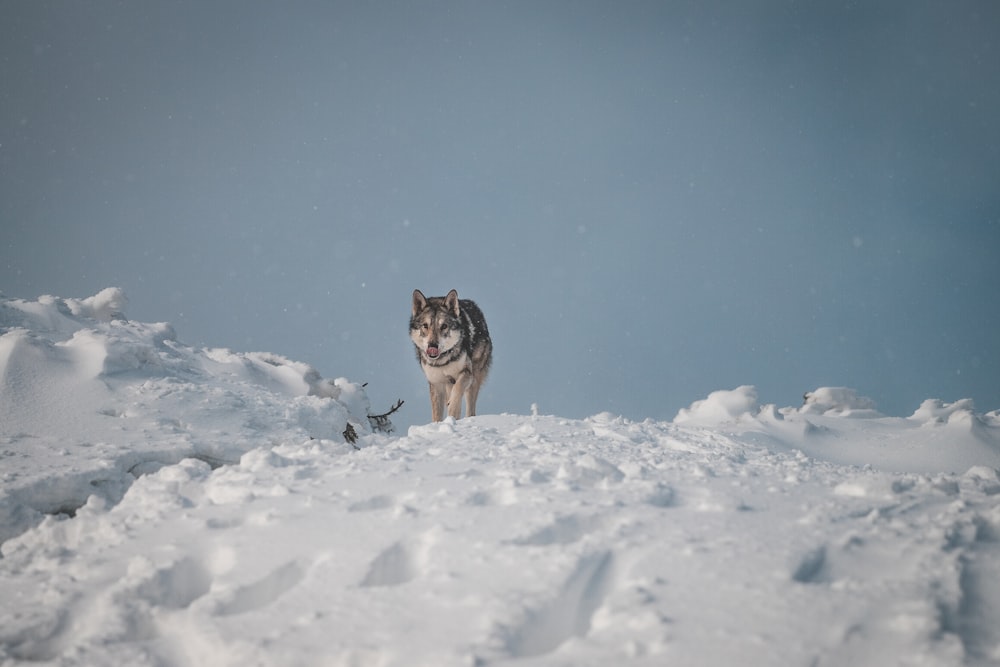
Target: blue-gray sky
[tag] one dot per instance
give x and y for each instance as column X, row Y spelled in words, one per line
column 649, row 200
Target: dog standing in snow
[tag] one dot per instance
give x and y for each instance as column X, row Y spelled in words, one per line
column 454, row 349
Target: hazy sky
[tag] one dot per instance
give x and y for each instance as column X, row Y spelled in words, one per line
column 649, row 200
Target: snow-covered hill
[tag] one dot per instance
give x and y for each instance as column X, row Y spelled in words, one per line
column 165, row 505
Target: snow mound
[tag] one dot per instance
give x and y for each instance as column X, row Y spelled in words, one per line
column 837, row 424
column 106, row 305
column 720, row 407
column 838, row 401
column 89, row 400
column 936, row 411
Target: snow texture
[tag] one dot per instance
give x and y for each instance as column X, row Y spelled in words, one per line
column 167, row 505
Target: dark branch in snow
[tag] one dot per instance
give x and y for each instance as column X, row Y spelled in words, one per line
column 381, row 422
column 350, row 435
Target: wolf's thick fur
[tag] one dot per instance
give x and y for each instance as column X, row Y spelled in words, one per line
column 454, row 349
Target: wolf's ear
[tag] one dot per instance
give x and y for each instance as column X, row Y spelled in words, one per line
column 419, row 301
column 451, row 302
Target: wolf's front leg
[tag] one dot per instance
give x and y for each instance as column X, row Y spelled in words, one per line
column 457, row 391
column 439, row 394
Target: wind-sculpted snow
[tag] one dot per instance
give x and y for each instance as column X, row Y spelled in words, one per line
column 189, row 507
column 89, row 400
column 836, row 424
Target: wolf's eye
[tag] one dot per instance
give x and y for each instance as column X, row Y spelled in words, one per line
column 444, row 328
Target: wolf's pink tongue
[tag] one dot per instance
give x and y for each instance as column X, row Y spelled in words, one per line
column 432, row 352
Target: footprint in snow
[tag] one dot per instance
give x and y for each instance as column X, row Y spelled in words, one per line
column 569, row 613
column 173, row 587
column 564, row 530
column 397, row 564
column 380, row 502
column 501, row 494
column 812, row 567
column 263, row 592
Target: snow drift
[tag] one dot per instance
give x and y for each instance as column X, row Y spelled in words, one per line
column 89, row 400
column 167, row 505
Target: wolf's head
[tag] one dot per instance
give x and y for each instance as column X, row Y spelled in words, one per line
column 435, row 326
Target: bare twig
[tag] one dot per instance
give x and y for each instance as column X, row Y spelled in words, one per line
column 381, row 422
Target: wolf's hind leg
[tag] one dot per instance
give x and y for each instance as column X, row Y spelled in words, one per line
column 471, row 396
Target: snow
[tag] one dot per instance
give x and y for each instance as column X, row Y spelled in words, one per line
column 167, row 505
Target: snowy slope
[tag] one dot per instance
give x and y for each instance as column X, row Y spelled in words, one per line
column 89, row 400
column 165, row 505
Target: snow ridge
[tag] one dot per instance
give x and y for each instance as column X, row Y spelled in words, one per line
column 89, row 401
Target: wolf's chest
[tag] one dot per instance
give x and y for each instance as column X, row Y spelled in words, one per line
column 446, row 373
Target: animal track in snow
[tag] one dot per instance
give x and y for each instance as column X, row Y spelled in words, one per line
column 979, row 582
column 812, row 566
column 264, row 591
column 176, row 586
column 380, row 502
column 570, row 613
column 661, row 495
column 503, row 493
column 395, row 565
column 479, row 499
column 564, row 530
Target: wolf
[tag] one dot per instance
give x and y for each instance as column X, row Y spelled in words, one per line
column 454, row 348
